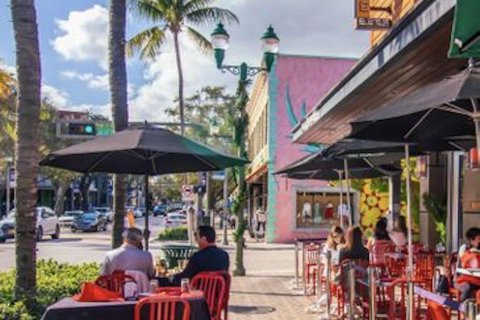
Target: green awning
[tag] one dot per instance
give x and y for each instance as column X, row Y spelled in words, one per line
column 465, row 41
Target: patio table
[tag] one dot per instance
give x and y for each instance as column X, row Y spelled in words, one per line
column 469, row 272
column 69, row 309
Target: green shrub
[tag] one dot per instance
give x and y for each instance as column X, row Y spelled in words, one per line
column 54, row 281
column 179, row 233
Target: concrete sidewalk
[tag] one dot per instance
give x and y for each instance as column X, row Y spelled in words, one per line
column 265, row 292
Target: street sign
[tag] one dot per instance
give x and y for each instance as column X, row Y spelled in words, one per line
column 200, row 189
column 367, row 19
column 188, row 194
column 218, row 175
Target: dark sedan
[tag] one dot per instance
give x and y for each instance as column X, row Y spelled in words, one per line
column 90, row 221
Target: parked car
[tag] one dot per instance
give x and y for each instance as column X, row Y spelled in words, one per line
column 106, row 211
column 90, row 221
column 160, row 209
column 175, row 219
column 67, row 218
column 47, row 224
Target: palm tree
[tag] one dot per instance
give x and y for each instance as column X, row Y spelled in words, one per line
column 27, row 145
column 118, row 94
column 175, row 16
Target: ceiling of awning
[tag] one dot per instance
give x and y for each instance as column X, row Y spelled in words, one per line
column 421, row 62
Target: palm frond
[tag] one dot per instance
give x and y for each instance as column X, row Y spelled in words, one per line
column 148, row 42
column 194, row 5
column 200, row 41
column 154, row 10
column 211, row 15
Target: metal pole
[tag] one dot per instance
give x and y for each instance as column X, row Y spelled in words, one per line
column 347, row 179
column 372, row 308
column 327, row 282
column 340, row 213
column 351, row 278
column 225, row 207
column 470, row 309
column 304, row 278
column 7, row 208
column 319, row 275
column 146, row 232
column 297, row 285
column 410, row 313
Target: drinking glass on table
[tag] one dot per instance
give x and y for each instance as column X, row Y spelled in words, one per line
column 185, row 285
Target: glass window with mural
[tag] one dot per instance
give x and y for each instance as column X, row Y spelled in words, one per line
column 317, row 209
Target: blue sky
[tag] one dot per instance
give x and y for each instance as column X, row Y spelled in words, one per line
column 73, row 49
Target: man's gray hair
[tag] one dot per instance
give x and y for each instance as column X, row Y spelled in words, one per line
column 133, row 234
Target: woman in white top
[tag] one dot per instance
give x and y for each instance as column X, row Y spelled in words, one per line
column 399, row 232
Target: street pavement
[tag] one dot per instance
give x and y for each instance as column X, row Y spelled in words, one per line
column 263, row 294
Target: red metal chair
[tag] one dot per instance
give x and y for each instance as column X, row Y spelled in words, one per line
column 451, row 264
column 396, row 265
column 424, row 268
column 214, row 287
column 378, row 251
column 162, row 308
column 115, row 282
column 397, row 299
column 312, row 256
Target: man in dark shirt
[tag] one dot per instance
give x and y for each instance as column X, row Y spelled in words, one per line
column 208, row 258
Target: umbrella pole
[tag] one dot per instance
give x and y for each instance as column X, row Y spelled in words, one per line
column 146, row 232
column 409, row 236
column 340, row 211
column 349, row 205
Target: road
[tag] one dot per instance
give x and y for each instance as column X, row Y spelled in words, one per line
column 76, row 247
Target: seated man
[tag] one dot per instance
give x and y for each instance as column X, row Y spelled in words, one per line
column 469, row 258
column 208, row 258
column 130, row 256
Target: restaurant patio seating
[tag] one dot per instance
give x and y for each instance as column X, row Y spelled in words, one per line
column 115, row 282
column 312, row 257
column 214, row 287
column 424, row 263
column 163, row 308
column 378, row 251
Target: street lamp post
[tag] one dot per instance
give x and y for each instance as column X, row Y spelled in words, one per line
column 220, row 42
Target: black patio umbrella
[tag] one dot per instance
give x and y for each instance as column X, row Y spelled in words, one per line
column 359, row 173
column 142, row 151
column 443, row 111
column 439, row 113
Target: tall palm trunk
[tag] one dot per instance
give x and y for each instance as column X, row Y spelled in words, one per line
column 118, row 94
column 180, row 81
column 26, row 147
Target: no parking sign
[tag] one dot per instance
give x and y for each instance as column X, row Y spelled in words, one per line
column 188, row 194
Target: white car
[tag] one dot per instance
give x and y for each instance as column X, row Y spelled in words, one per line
column 67, row 218
column 47, row 223
column 106, row 211
column 175, row 219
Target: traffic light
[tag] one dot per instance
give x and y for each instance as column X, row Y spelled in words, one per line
column 82, row 129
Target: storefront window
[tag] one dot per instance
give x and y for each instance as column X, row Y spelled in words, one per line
column 317, row 209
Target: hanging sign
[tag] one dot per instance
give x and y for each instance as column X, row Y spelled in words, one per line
column 364, row 19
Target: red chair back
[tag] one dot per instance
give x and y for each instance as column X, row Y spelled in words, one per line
column 424, row 265
column 162, row 308
column 115, row 282
column 378, row 251
column 312, row 254
column 214, row 287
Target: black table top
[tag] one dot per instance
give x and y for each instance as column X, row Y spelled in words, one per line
column 69, row 309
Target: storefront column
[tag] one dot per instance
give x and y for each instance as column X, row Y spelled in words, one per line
column 454, row 201
column 435, row 184
column 394, row 189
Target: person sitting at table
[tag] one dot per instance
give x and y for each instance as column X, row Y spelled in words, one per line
column 469, row 258
column 399, row 232
column 380, row 243
column 130, row 256
column 354, row 248
column 208, row 258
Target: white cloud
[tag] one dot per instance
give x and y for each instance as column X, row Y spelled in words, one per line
column 57, row 97
column 84, row 36
column 92, row 81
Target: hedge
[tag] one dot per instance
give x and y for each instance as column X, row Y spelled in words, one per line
column 54, row 281
column 179, row 233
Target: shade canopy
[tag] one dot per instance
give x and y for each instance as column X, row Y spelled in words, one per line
column 359, row 173
column 465, row 37
column 146, row 151
column 434, row 116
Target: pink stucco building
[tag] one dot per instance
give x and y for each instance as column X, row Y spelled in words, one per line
column 278, row 101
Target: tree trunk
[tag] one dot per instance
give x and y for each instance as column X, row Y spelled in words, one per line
column 241, row 130
column 180, row 82
column 27, row 144
column 118, row 94
column 60, row 198
column 84, row 191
